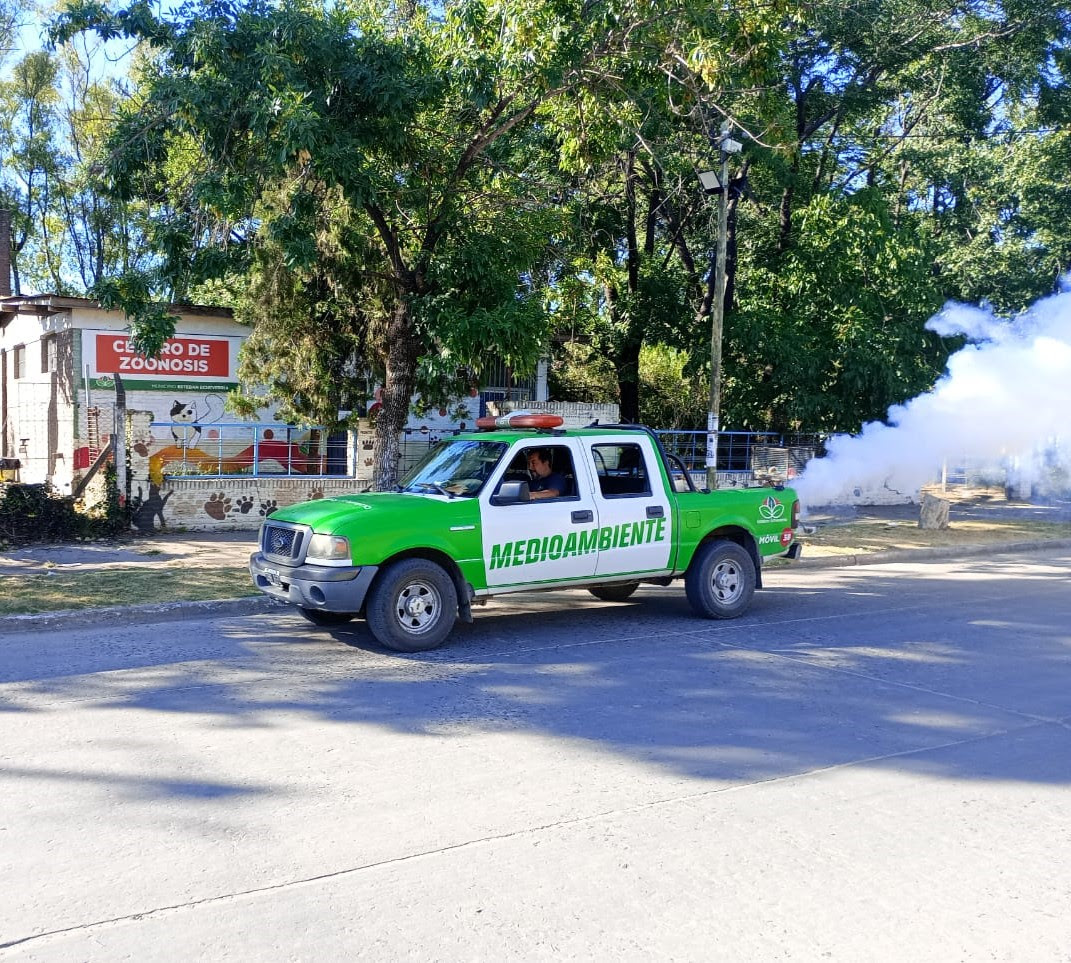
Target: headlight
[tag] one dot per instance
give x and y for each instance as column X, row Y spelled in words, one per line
column 329, row 548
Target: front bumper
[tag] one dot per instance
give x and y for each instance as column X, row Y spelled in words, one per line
column 329, row 589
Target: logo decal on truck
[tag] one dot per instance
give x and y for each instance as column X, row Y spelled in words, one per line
column 771, row 510
column 528, row 551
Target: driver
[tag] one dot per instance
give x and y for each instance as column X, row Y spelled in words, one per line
column 546, row 483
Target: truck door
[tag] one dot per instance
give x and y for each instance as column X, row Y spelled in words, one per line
column 635, row 515
column 546, row 539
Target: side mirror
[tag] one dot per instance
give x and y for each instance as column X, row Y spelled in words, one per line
column 511, row 492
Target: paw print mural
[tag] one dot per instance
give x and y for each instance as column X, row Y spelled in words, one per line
column 218, row 506
column 244, row 504
column 266, row 508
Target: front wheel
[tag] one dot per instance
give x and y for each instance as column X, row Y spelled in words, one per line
column 412, row 606
column 620, row 592
column 720, row 581
column 320, row 617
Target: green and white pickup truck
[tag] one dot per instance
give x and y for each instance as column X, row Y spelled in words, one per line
column 465, row 524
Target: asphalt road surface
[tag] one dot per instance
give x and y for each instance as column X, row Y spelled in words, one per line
column 873, row 764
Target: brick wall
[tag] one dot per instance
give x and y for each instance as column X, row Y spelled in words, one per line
column 221, row 504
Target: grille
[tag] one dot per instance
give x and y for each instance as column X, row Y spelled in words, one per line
column 285, row 542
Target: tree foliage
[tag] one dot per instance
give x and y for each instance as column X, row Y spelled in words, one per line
column 420, row 121
column 910, row 162
column 835, row 335
column 399, row 194
column 67, row 235
column 670, row 396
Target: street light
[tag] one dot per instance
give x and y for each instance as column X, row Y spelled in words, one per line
column 718, row 184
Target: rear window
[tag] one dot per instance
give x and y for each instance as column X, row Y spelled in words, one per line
column 621, row 470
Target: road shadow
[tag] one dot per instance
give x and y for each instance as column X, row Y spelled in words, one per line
column 904, row 668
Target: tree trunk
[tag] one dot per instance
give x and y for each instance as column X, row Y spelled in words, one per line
column 402, row 352
column 628, row 362
column 627, row 356
column 788, row 195
column 784, row 214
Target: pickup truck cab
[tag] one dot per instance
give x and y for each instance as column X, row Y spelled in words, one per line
column 471, row 521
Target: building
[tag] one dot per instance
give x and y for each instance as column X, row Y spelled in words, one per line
column 64, row 361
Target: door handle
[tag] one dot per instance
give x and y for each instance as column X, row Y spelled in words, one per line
column 655, row 511
column 584, row 516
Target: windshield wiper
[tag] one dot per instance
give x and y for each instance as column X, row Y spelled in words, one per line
column 431, row 486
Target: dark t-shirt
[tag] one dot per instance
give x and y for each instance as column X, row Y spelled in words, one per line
column 554, row 481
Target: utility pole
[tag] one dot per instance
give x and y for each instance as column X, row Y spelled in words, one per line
column 726, row 146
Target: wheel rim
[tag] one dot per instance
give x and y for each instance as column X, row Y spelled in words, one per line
column 727, row 582
column 417, row 607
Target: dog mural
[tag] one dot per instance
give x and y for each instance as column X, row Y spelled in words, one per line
column 144, row 511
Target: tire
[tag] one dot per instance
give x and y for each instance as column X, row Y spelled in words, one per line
column 720, row 581
column 412, row 606
column 620, row 592
column 320, row 617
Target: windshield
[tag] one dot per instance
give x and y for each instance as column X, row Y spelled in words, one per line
column 455, row 468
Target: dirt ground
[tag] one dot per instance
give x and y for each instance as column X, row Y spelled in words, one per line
column 965, row 504
column 162, row 549
column 977, row 517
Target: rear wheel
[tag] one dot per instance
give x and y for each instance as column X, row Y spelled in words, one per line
column 320, row 617
column 721, row 580
column 614, row 593
column 412, row 606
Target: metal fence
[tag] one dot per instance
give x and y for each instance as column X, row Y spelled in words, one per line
column 182, row 449
column 767, row 456
column 763, row 454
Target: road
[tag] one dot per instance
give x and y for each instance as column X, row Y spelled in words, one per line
column 873, row 764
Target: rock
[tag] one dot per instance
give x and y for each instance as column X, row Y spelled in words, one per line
column 933, row 512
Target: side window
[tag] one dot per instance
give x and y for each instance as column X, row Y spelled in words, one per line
column 621, row 470
column 49, row 354
column 548, row 470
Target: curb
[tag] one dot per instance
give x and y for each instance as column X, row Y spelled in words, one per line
column 154, row 612
column 925, row 554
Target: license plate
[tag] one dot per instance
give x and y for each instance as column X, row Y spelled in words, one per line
column 273, row 576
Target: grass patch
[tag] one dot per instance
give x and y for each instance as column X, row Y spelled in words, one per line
column 57, row 591
column 867, row 537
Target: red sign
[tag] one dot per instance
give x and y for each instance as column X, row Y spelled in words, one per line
column 184, row 357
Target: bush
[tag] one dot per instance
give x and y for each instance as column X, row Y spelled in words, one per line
column 38, row 513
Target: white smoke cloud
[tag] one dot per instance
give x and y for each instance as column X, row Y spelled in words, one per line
column 1005, row 399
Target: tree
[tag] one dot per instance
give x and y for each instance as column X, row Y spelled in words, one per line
column 916, row 167
column 835, row 335
column 631, row 276
column 66, row 235
column 453, row 173
column 419, row 117
column 308, row 347
column 621, row 286
column 27, row 143
column 95, row 235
